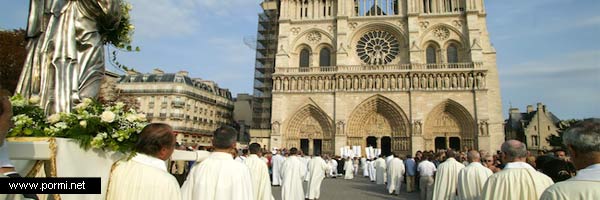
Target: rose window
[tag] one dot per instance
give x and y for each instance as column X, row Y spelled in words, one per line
column 377, row 48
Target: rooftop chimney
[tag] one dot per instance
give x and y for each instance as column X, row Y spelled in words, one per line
column 529, row 108
column 513, row 111
column 157, row 71
column 540, row 107
column 183, row 73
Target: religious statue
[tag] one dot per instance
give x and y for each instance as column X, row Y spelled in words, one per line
column 461, row 83
column 340, row 128
column 417, row 127
column 470, row 81
column 483, row 128
column 415, row 84
column 275, row 128
column 446, row 82
column 277, row 84
column 320, row 83
column 65, row 50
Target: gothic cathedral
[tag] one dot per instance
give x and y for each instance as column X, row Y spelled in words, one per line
column 400, row 75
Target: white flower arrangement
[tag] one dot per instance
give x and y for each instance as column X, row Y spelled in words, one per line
column 91, row 123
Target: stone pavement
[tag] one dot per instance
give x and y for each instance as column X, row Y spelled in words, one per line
column 359, row 188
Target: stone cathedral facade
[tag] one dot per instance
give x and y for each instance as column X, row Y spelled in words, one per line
column 400, row 75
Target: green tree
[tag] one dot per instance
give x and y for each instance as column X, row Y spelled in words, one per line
column 12, row 57
column 556, row 141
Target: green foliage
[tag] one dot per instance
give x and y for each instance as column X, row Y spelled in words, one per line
column 12, row 57
column 556, row 141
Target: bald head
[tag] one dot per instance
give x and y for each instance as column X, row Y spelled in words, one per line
column 473, row 156
column 514, row 150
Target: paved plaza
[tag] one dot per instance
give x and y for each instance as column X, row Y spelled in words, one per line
column 358, row 188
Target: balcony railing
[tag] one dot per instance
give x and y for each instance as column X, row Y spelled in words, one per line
column 177, row 116
column 362, row 68
column 178, row 103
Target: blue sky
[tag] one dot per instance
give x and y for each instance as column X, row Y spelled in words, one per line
column 547, row 50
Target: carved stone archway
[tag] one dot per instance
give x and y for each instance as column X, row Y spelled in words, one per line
column 450, row 120
column 380, row 117
column 312, row 124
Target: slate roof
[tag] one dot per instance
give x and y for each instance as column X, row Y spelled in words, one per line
column 514, row 120
column 174, row 78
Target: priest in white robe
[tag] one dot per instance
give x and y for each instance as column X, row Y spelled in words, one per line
column 277, row 161
column 292, row 175
column 583, row 142
column 317, row 167
column 349, row 169
column 472, row 177
column 395, row 173
column 145, row 176
column 447, row 177
column 220, row 177
column 259, row 171
column 333, row 164
column 380, row 170
column 518, row 180
column 388, row 159
column 372, row 172
column 363, row 166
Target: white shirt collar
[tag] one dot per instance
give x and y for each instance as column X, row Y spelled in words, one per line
column 590, row 173
column 476, row 164
column 221, row 155
column 253, row 156
column 150, row 161
column 518, row 165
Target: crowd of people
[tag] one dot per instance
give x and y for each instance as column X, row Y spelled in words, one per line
column 249, row 174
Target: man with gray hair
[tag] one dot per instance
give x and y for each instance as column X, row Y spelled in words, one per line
column 583, row 142
column 219, row 177
column 472, row 177
column 518, row 180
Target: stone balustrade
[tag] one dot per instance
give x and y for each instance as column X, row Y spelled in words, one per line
column 459, row 76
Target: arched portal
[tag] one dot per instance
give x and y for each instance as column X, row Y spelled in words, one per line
column 450, row 125
column 379, row 117
column 311, row 130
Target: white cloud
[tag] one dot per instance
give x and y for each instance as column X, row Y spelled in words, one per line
column 168, row 18
column 163, row 18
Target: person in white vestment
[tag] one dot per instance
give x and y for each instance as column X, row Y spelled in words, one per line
column 388, row 159
column 7, row 169
column 259, row 171
column 220, row 177
column 395, row 173
column 518, row 180
column 446, row 177
column 472, row 177
column 242, row 157
column 145, row 176
column 333, row 164
column 349, row 169
column 380, row 170
column 372, row 172
column 426, row 171
column 583, row 142
column 317, row 167
column 292, row 175
column 363, row 166
column 277, row 161
column 356, row 163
